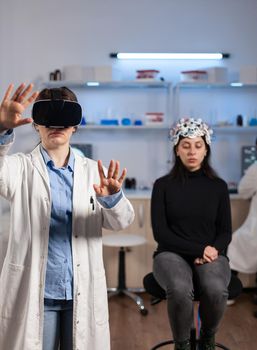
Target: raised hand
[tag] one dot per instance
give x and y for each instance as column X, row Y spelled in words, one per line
column 111, row 183
column 11, row 108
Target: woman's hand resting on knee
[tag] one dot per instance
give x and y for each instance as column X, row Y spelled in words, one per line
column 200, row 261
column 209, row 255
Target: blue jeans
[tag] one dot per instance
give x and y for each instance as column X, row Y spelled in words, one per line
column 58, row 318
column 175, row 275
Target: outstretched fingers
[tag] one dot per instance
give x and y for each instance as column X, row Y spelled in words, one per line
column 101, row 170
column 8, row 92
column 123, row 175
column 30, row 99
column 24, row 121
column 23, row 94
column 116, row 170
column 97, row 189
column 17, row 92
column 111, row 169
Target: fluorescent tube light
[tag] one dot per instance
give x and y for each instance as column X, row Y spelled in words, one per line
column 169, row 56
column 236, row 84
column 93, row 83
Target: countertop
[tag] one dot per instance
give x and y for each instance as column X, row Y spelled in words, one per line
column 146, row 194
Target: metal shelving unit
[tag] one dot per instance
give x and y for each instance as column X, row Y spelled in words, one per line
column 129, row 84
column 203, row 87
column 143, row 84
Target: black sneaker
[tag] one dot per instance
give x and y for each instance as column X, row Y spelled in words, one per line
column 184, row 345
column 206, row 342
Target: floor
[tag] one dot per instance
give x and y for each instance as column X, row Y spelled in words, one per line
column 132, row 331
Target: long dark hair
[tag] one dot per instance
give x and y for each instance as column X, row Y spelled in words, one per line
column 179, row 171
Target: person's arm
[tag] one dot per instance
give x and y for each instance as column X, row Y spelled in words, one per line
column 162, row 233
column 248, row 184
column 119, row 216
column 223, row 222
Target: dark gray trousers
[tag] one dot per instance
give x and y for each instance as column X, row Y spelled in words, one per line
column 175, row 276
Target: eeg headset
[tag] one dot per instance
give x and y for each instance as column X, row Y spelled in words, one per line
column 56, row 112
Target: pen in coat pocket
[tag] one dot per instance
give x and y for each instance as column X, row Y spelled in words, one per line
column 92, row 202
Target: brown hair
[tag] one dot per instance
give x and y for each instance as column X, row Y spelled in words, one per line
column 65, row 93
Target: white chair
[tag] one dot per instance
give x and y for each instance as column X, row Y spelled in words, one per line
column 123, row 240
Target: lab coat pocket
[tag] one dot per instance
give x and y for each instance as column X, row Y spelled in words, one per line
column 14, row 285
column 100, row 300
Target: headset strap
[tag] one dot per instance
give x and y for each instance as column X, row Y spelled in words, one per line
column 56, row 94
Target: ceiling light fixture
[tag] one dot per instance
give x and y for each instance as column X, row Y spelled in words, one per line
column 169, row 56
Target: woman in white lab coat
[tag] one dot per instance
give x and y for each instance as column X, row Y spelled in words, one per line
column 24, row 181
column 242, row 250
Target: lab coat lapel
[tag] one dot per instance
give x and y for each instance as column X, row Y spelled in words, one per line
column 39, row 164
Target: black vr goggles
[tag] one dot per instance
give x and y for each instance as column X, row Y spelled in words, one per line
column 56, row 113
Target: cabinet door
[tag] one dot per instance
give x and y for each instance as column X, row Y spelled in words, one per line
column 239, row 212
column 136, row 256
column 151, row 243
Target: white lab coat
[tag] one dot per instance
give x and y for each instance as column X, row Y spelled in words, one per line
column 242, row 250
column 24, row 182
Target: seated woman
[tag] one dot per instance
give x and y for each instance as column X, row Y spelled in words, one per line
column 191, row 222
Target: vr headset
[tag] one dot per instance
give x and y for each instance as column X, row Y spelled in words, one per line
column 56, row 112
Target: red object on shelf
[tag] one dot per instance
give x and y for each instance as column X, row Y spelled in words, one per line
column 194, row 72
column 147, row 73
column 194, row 75
column 154, row 117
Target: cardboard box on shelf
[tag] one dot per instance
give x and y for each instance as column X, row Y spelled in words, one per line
column 105, row 73
column 78, row 73
column 217, row 75
column 248, row 74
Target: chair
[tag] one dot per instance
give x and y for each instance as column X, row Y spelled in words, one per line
column 122, row 241
column 158, row 294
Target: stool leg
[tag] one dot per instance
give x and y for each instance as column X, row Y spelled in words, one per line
column 139, row 301
column 112, row 294
column 122, row 289
column 121, row 275
column 193, row 338
column 121, row 271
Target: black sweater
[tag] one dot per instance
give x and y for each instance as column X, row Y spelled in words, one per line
column 186, row 217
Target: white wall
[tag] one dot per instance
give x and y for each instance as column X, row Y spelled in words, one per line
column 39, row 36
